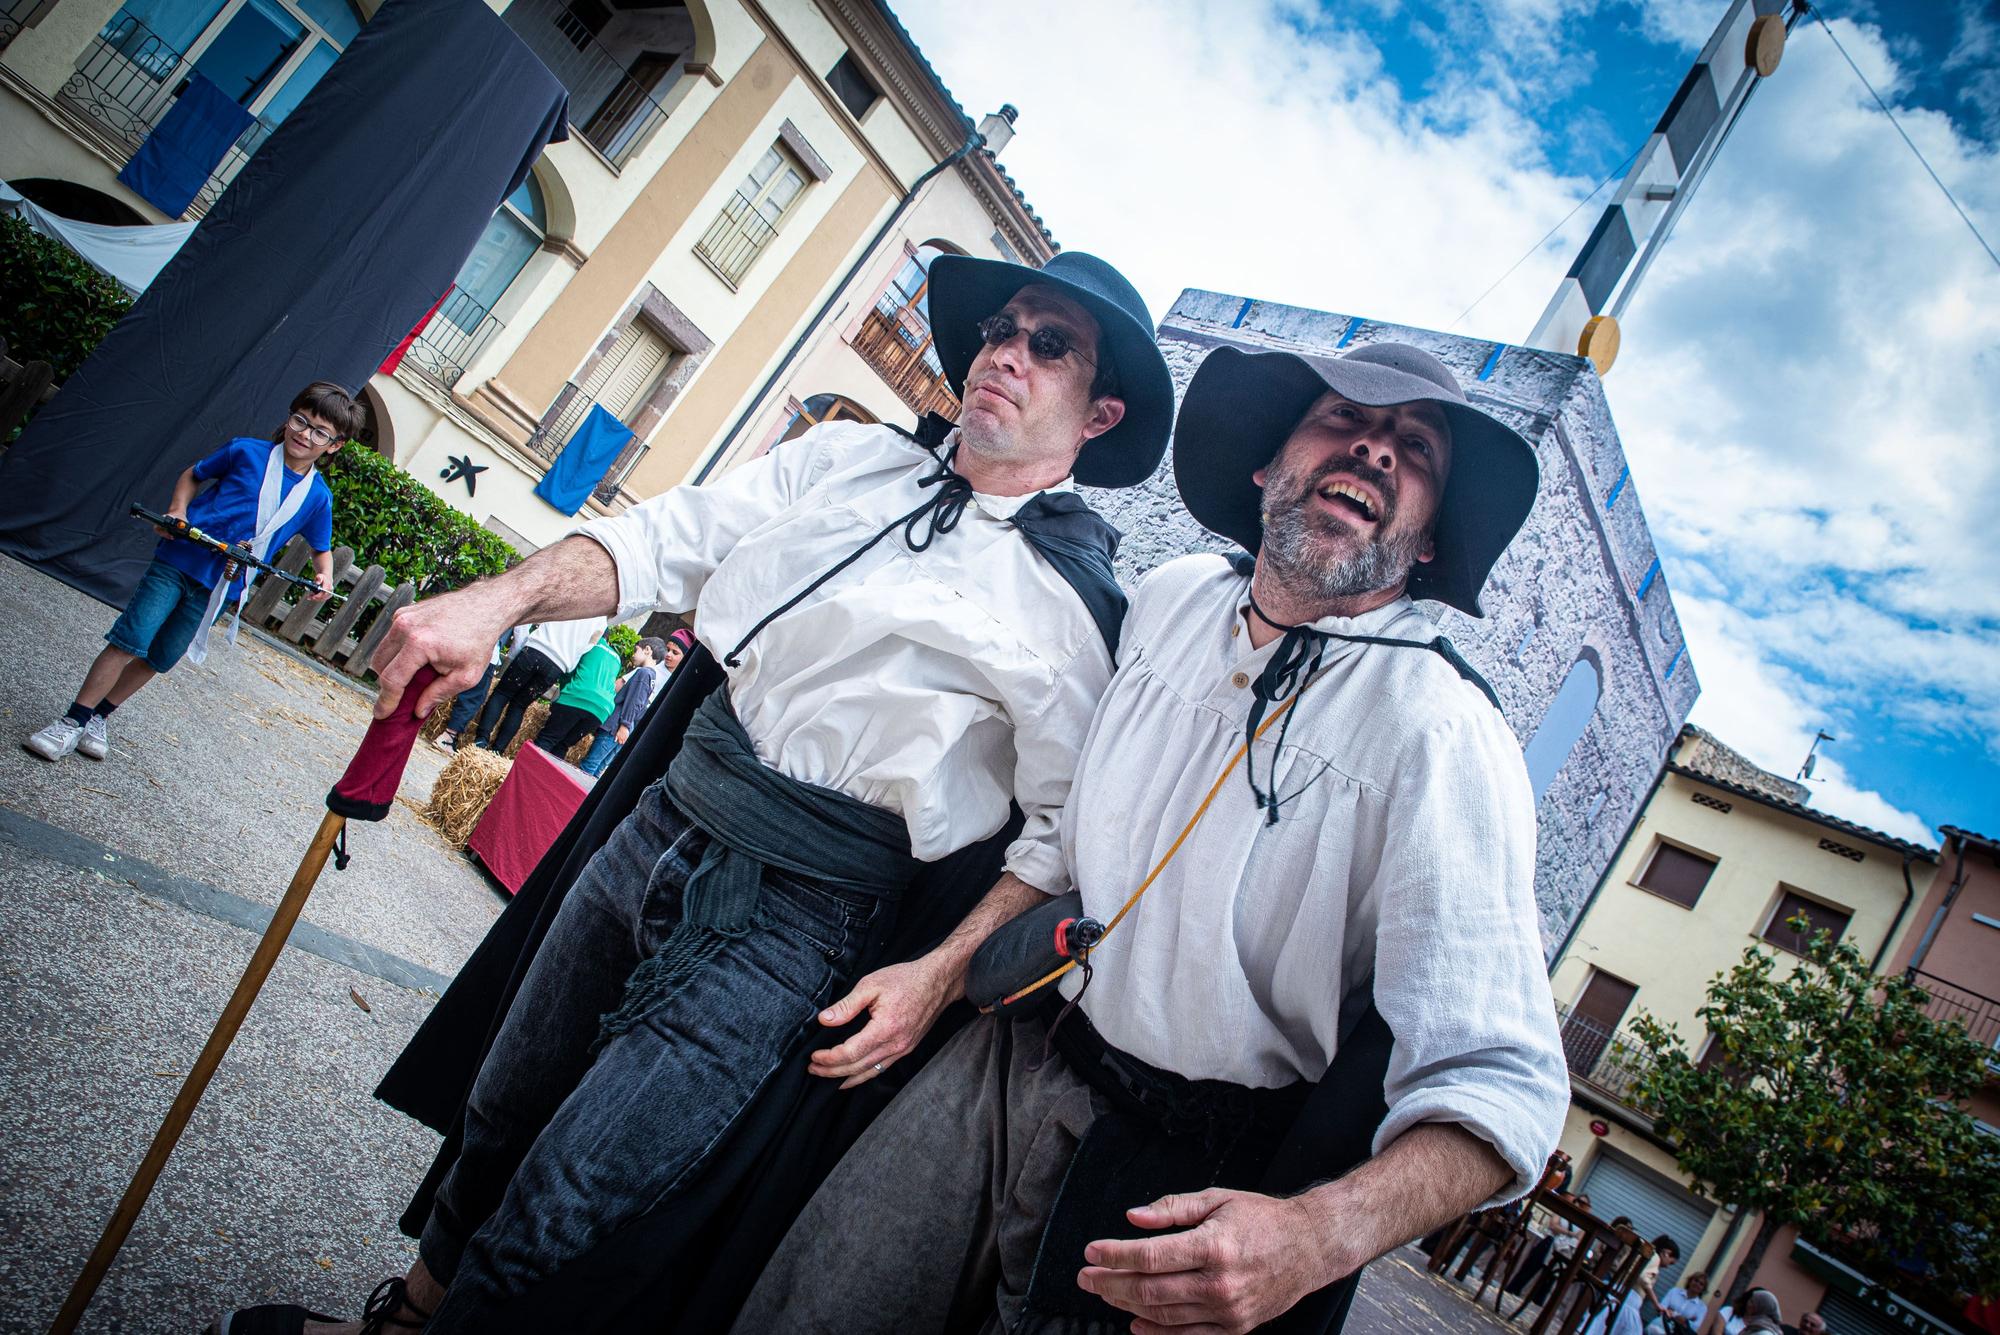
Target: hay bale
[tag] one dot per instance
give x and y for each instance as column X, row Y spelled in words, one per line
column 531, row 723
column 435, row 723
column 462, row 790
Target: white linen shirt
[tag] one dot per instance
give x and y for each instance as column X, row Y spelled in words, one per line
column 937, row 684
column 1408, row 856
column 565, row 642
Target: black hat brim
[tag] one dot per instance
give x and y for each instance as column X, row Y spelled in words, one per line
column 964, row 291
column 1241, row 408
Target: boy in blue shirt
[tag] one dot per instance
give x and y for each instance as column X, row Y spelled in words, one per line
column 263, row 492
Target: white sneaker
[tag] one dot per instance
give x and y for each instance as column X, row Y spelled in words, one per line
column 96, row 740
column 57, row 740
column 445, row 742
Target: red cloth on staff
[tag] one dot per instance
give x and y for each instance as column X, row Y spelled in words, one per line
column 535, row 801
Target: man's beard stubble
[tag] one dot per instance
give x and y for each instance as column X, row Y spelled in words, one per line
column 1296, row 542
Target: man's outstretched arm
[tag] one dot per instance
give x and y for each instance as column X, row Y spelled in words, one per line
column 455, row 632
column 1248, row 1258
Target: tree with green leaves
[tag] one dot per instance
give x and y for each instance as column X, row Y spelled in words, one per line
column 1834, row 1104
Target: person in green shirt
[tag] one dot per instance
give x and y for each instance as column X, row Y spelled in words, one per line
column 584, row 701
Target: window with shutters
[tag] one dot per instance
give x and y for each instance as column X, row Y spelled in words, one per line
column 1675, row 873
column 750, row 220
column 1819, row 916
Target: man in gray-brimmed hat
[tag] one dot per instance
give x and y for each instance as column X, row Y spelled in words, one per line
column 1311, row 834
column 913, row 631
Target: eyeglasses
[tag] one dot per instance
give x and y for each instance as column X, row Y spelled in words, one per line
column 318, row 435
column 1047, row 344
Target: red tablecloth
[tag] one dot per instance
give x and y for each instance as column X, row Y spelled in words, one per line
column 535, row 801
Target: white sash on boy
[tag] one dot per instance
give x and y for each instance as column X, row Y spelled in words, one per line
column 271, row 516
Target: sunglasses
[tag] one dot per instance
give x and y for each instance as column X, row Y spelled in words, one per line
column 318, row 435
column 1047, row 344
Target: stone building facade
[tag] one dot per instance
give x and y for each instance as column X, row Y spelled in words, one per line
column 1580, row 637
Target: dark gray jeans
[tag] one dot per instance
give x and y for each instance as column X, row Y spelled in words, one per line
column 932, row 1221
column 620, row 1133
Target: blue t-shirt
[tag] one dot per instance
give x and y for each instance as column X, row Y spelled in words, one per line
column 228, row 510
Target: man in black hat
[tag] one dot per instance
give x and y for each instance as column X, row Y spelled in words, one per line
column 1310, row 834
column 913, row 631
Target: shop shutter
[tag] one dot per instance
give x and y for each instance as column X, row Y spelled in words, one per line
column 1848, row 1315
column 1616, row 1185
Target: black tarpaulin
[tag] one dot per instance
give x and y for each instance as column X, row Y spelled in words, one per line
column 324, row 252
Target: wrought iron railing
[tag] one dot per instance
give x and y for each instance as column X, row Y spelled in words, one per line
column 1980, row 1014
column 895, row 341
column 16, row 15
column 564, row 416
column 1612, row 1062
column 452, row 337
column 607, row 105
column 735, row 239
column 124, row 82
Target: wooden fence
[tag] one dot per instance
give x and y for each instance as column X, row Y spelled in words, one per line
column 342, row 631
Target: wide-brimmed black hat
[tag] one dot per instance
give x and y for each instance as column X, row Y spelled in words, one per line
column 965, row 291
column 1241, row 408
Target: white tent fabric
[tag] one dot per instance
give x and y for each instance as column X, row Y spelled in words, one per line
column 133, row 256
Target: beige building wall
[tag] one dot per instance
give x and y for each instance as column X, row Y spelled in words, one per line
column 1672, row 952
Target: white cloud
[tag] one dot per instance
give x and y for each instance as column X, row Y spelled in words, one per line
column 1810, row 385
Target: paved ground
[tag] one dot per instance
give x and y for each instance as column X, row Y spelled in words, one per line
column 130, row 895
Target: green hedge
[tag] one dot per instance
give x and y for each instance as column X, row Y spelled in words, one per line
column 54, row 308
column 392, row 520
column 624, row 639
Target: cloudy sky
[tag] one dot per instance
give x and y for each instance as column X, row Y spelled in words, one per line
column 1809, row 387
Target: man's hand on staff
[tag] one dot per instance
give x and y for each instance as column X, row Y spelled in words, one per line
column 455, row 632
column 1244, row 1260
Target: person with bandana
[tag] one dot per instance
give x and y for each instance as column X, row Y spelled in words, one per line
column 1324, row 1028
column 912, row 632
column 258, row 492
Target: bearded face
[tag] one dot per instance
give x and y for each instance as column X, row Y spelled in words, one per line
column 1319, row 540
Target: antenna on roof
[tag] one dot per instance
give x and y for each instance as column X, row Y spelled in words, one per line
column 1806, row 770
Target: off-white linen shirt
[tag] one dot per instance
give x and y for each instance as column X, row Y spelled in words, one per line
column 938, row 684
column 565, row 642
column 1407, row 856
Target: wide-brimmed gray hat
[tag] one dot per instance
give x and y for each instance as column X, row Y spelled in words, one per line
column 965, row 291
column 1241, row 408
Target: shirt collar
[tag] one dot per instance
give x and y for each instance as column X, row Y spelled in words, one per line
column 1003, row 507
column 1380, row 621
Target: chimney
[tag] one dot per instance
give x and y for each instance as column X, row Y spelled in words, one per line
column 998, row 128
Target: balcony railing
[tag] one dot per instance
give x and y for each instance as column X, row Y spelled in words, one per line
column 452, row 337
column 564, row 416
column 125, row 81
column 1948, row 1001
column 735, row 239
column 895, row 341
column 16, row 15
column 1610, row 1061
column 607, row 105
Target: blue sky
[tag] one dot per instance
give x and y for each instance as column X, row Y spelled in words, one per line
column 1809, row 390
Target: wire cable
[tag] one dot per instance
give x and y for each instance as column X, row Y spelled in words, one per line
column 1935, row 178
column 1617, row 172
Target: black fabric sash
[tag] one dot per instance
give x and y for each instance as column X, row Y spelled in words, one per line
column 756, row 818
column 1133, row 1155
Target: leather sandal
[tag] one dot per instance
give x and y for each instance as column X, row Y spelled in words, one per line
column 383, row 1311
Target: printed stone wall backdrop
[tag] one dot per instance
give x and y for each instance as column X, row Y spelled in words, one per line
column 1578, row 598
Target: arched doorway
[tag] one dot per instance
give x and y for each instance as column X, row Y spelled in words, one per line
column 824, row 408
column 79, row 203
column 1564, row 724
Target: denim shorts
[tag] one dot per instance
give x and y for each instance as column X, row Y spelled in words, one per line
column 161, row 617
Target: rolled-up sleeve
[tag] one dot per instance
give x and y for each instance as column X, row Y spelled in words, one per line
column 1459, row 972
column 1048, row 737
column 667, row 546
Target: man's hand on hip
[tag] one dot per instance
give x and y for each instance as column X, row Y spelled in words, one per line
column 902, row 1001
column 1244, row 1260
